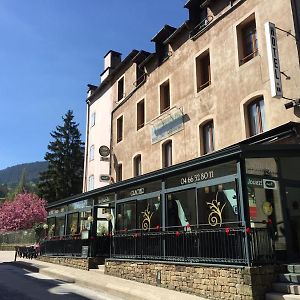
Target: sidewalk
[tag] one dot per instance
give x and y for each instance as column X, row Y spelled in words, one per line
column 97, row 280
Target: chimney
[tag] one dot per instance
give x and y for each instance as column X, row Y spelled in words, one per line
column 111, row 61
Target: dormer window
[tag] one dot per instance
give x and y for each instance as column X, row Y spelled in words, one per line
column 161, row 44
column 198, row 15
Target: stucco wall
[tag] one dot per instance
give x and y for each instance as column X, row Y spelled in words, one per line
column 224, row 101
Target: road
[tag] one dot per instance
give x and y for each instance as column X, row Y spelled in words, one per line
column 19, row 284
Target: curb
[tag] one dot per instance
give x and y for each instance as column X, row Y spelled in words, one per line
column 26, row 266
column 37, row 269
column 108, row 287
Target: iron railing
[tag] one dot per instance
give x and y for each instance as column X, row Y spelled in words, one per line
column 72, row 246
column 224, row 245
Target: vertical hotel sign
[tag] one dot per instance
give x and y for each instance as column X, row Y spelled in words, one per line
column 273, row 60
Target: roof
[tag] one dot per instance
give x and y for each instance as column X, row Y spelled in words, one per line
column 121, row 65
column 163, row 34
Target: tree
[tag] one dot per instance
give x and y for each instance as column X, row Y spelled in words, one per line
column 22, row 187
column 65, row 157
column 22, row 213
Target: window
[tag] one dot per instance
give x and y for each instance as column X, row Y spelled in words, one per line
column 149, row 214
column 221, row 196
column 203, row 71
column 256, row 117
column 72, row 224
column 93, row 119
column 164, row 96
column 121, row 89
column 181, row 208
column 247, row 40
column 92, row 152
column 140, row 115
column 119, row 171
column 140, row 75
column 119, row 129
column 126, row 217
column 137, row 165
column 60, row 226
column 91, row 183
column 167, row 154
column 207, row 131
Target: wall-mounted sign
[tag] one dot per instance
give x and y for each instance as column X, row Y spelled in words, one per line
column 136, row 192
column 85, row 251
column 104, row 151
column 270, row 184
column 273, row 60
column 104, row 178
column 166, row 125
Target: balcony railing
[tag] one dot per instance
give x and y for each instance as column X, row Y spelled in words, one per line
column 225, row 245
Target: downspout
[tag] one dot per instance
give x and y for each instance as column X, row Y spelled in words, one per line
column 87, row 131
column 296, row 16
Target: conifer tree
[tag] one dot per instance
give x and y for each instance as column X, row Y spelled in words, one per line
column 65, row 162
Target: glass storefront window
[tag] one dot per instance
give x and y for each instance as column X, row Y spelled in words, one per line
column 266, row 166
column 217, row 204
column 265, row 208
column 289, row 169
column 149, row 213
column 72, row 223
column 84, row 220
column 60, row 226
column 103, row 199
column 51, row 226
column 80, row 204
column 126, row 218
column 181, row 208
column 102, row 227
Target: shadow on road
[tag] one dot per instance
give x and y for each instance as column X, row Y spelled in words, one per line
column 17, row 283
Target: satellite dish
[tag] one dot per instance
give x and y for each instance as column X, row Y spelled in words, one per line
column 104, row 151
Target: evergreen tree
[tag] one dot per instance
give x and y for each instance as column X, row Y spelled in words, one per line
column 65, row 162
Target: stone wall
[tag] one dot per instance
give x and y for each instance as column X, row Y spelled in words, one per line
column 209, row 281
column 74, row 262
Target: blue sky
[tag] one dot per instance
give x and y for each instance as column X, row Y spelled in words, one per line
column 51, row 49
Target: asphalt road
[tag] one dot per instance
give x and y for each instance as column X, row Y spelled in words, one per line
column 19, row 284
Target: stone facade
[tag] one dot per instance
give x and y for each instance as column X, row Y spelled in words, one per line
column 74, row 262
column 209, row 281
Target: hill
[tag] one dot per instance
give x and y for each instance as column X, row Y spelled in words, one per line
column 11, row 175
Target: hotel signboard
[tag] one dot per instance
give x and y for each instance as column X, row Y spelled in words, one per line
column 166, row 125
column 273, row 60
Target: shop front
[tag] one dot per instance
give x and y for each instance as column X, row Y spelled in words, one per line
column 238, row 206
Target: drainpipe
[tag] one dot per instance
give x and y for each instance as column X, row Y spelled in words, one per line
column 87, row 131
column 296, row 16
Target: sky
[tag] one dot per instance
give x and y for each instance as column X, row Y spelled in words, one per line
column 51, row 49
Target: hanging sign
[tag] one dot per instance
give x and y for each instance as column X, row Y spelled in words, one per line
column 273, row 60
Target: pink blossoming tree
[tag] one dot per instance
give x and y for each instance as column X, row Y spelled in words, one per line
column 22, row 213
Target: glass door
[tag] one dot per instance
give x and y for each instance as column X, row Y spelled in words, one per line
column 293, row 219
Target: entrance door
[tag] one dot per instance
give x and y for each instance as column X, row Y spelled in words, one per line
column 293, row 214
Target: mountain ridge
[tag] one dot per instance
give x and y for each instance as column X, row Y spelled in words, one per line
column 11, row 175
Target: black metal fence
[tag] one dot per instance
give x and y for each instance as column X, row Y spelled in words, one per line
column 63, row 246
column 234, row 244
column 73, row 246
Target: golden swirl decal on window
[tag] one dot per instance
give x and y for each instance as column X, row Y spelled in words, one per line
column 215, row 217
column 147, row 215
